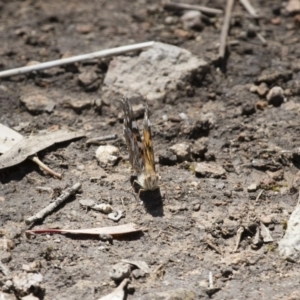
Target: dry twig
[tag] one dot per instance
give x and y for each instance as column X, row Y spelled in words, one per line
column 258, row 196
column 47, row 210
column 213, row 246
column 78, row 58
column 225, row 28
column 210, row 280
column 44, row 167
column 183, row 6
column 261, row 38
column 99, row 139
column 251, row 10
column 238, row 238
column 44, row 189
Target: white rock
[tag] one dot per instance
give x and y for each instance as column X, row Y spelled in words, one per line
column 107, row 154
column 252, row 187
column 103, row 207
column 276, row 96
column 293, row 6
column 192, row 19
column 26, row 282
column 29, row 297
column 182, row 151
column 4, row 296
column 289, row 245
column 154, row 73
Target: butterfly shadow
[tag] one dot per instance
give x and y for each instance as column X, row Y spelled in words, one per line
column 152, row 200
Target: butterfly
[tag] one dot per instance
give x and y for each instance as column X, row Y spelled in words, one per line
column 141, row 154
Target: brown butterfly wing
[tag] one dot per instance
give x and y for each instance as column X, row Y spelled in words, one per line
column 132, row 137
column 148, row 145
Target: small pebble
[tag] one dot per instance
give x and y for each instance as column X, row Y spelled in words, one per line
column 137, row 273
column 252, row 187
column 191, row 19
column 182, row 151
column 196, row 207
column 116, row 216
column 266, row 219
column 107, row 154
column 103, row 207
column 120, row 271
column 262, row 89
column 87, row 203
column 276, row 96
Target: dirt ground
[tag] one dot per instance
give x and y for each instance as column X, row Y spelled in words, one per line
column 193, row 222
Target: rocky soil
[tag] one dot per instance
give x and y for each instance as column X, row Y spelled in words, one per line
column 226, row 142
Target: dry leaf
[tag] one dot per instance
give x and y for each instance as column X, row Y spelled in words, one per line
column 118, row 293
column 27, row 147
column 8, row 138
column 113, row 231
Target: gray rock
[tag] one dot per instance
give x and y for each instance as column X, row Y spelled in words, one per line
column 209, row 170
column 37, row 103
column 182, row 151
column 88, row 203
column 289, row 245
column 200, row 147
column 137, row 273
column 262, row 89
column 167, row 158
column 120, row 271
column 89, row 80
column 154, row 73
column 107, row 155
column 140, row 264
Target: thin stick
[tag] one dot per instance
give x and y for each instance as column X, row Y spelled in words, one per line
column 48, row 209
column 204, row 9
column 258, row 196
column 261, row 38
column 44, row 189
column 225, row 28
column 102, row 139
column 45, row 168
column 69, row 60
column 210, row 280
column 213, row 246
column 251, row 10
column 238, row 238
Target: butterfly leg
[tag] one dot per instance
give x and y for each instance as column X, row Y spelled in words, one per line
column 140, row 190
column 166, row 194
